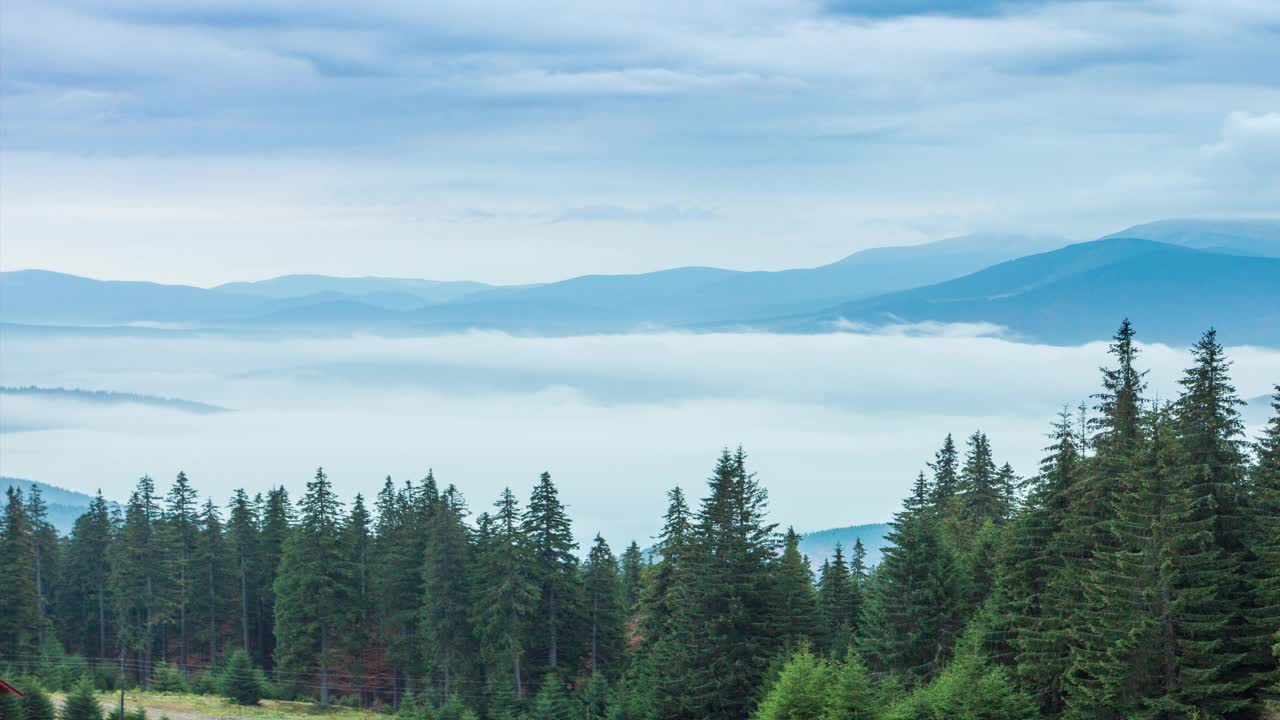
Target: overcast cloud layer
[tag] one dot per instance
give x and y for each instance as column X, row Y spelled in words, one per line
column 836, row 425
column 204, row 141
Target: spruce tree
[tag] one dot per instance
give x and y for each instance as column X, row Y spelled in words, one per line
column 672, row 546
column 911, row 617
column 554, row 568
column 507, row 595
column 1210, row 433
column 725, row 612
column 605, row 613
column 243, row 541
column 836, row 602
column 946, row 474
column 241, row 682
column 1035, row 585
column 802, row 691
column 553, row 701
column 181, row 523
column 981, row 495
column 86, row 572
column 632, row 576
column 797, row 604
column 447, row 577
column 397, row 578
column 313, row 588
column 211, row 582
column 44, row 538
column 81, row 703
column 20, row 617
column 276, row 513
column 138, row 568
column 36, row 704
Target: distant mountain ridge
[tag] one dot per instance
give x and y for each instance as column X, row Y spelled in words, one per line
column 1063, row 296
column 1173, row 277
column 64, row 505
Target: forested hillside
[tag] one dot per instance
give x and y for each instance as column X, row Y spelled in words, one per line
column 1134, row 574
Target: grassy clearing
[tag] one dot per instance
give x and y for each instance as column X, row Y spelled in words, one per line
column 180, row 706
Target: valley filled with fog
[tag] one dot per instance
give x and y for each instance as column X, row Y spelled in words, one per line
column 837, row 425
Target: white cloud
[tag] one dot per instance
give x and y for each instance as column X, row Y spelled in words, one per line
column 836, row 424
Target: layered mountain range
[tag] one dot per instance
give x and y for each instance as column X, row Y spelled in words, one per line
column 1172, row 278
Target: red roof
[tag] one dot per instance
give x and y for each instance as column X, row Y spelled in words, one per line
column 7, row 689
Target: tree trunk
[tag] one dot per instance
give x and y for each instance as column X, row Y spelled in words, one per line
column 213, row 621
column 324, row 667
column 102, row 619
column 182, row 613
column 595, row 631
column 551, row 625
column 515, row 662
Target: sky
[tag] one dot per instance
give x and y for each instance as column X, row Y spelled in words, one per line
column 836, row 425
column 507, row 141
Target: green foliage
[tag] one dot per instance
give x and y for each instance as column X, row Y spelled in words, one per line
column 241, row 683
column 167, row 679
column 81, row 703
column 36, row 704
column 968, row 689
column 10, row 707
column 137, row 713
column 553, row 701
column 803, row 690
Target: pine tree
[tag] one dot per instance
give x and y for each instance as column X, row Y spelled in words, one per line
column 554, row 568
column 210, row 563
column 313, row 587
column 672, row 546
column 797, row 605
column 445, row 623
column 1036, row 590
column 138, row 565
column 853, row 695
column 242, row 537
column 605, row 612
column 553, row 701
column 836, row 602
column 357, row 541
column 397, row 578
column 81, row 704
column 982, row 496
column 632, row 576
column 803, row 690
column 946, row 474
column 1264, row 505
column 724, row 612
column 276, row 514
column 86, row 571
column 912, row 607
column 44, row 539
column 1210, row 432
column 20, row 616
column 36, row 704
column 181, row 524
column 507, row 595
column 241, row 681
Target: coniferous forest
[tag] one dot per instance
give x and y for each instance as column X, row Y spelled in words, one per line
column 1134, row 574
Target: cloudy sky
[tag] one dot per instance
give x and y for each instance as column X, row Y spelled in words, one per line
column 514, row 141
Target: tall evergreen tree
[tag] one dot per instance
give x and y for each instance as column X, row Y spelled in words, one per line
column 242, row 537
column 44, row 539
column 982, row 495
column 138, row 564
column 725, row 612
column 605, row 612
column 447, row 578
column 313, row 587
column 672, row 546
column 836, row 602
column 86, row 572
column 946, row 473
column 181, row 521
column 211, row 565
column 20, row 616
column 554, row 569
column 797, row 603
column 632, row 576
column 276, row 513
column 911, row 616
column 507, row 595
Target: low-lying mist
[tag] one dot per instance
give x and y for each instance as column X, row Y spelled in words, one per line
column 836, row 425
